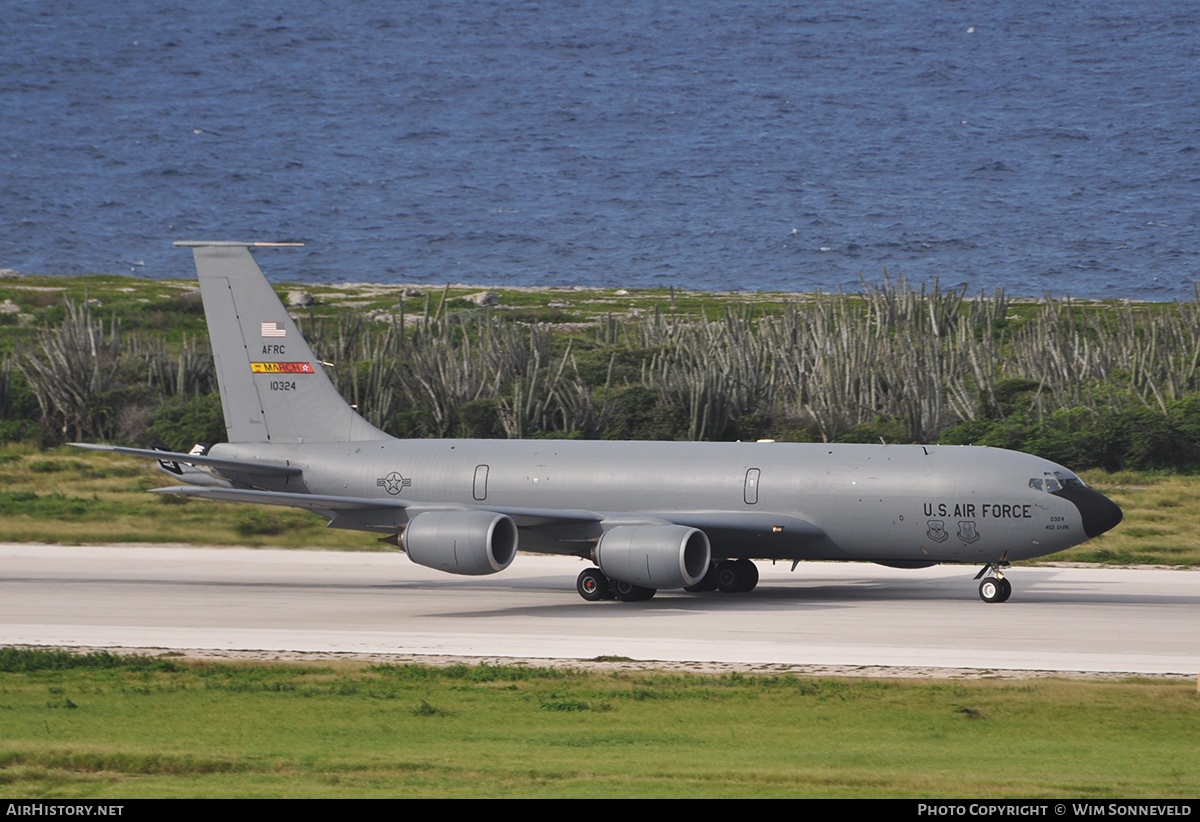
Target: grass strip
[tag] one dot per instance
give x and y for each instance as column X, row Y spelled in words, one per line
column 127, row 729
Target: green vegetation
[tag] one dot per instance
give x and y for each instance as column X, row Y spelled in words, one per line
column 1162, row 518
column 134, row 727
column 1105, row 385
column 76, row 497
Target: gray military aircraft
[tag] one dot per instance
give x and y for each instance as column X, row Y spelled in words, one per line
column 650, row 515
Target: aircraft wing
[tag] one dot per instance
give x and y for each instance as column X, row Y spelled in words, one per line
column 747, row 522
column 390, row 515
column 386, row 515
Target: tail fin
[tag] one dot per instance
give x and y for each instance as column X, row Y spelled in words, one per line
column 272, row 387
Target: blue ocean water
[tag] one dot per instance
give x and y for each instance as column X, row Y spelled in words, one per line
column 1042, row 148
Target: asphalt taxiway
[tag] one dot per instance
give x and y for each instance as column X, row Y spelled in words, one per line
column 1104, row 620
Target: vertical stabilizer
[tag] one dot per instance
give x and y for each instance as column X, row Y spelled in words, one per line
column 272, row 387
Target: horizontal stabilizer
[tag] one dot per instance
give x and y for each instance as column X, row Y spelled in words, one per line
column 232, row 244
column 264, row 469
column 313, row 502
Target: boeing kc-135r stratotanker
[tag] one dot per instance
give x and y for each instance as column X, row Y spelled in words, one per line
column 650, row 515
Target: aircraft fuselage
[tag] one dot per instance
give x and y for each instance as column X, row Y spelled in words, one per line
column 898, row 504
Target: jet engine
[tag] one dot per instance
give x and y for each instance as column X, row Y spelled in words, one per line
column 461, row 542
column 654, row 556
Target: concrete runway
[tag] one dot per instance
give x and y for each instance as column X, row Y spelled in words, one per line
column 846, row 615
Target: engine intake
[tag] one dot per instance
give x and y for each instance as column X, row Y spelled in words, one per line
column 461, row 542
column 654, row 556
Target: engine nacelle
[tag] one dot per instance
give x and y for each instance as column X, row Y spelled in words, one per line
column 461, row 542
column 654, row 556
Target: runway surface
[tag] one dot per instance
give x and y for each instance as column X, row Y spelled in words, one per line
column 826, row 614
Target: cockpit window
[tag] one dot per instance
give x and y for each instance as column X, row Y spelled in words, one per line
column 1069, row 480
column 1055, row 482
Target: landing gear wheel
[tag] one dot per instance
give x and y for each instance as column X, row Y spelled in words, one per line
column 738, row 576
column 995, row 589
column 729, row 577
column 749, row 576
column 628, row 592
column 592, row 585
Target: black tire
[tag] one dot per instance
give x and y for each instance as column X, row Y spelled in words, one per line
column 1007, row 592
column 749, row 576
column 991, row 589
column 731, row 576
column 628, row 592
column 592, row 585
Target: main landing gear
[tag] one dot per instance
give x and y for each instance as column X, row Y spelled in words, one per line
column 594, row 586
column 731, row 576
column 994, row 587
column 737, row 576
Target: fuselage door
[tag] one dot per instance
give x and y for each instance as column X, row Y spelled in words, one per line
column 480, row 490
column 751, row 489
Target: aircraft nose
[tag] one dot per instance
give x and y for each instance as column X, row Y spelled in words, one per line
column 1098, row 512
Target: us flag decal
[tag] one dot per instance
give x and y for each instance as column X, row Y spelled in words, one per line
column 273, row 330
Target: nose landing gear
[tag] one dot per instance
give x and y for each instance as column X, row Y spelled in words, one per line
column 994, row 587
